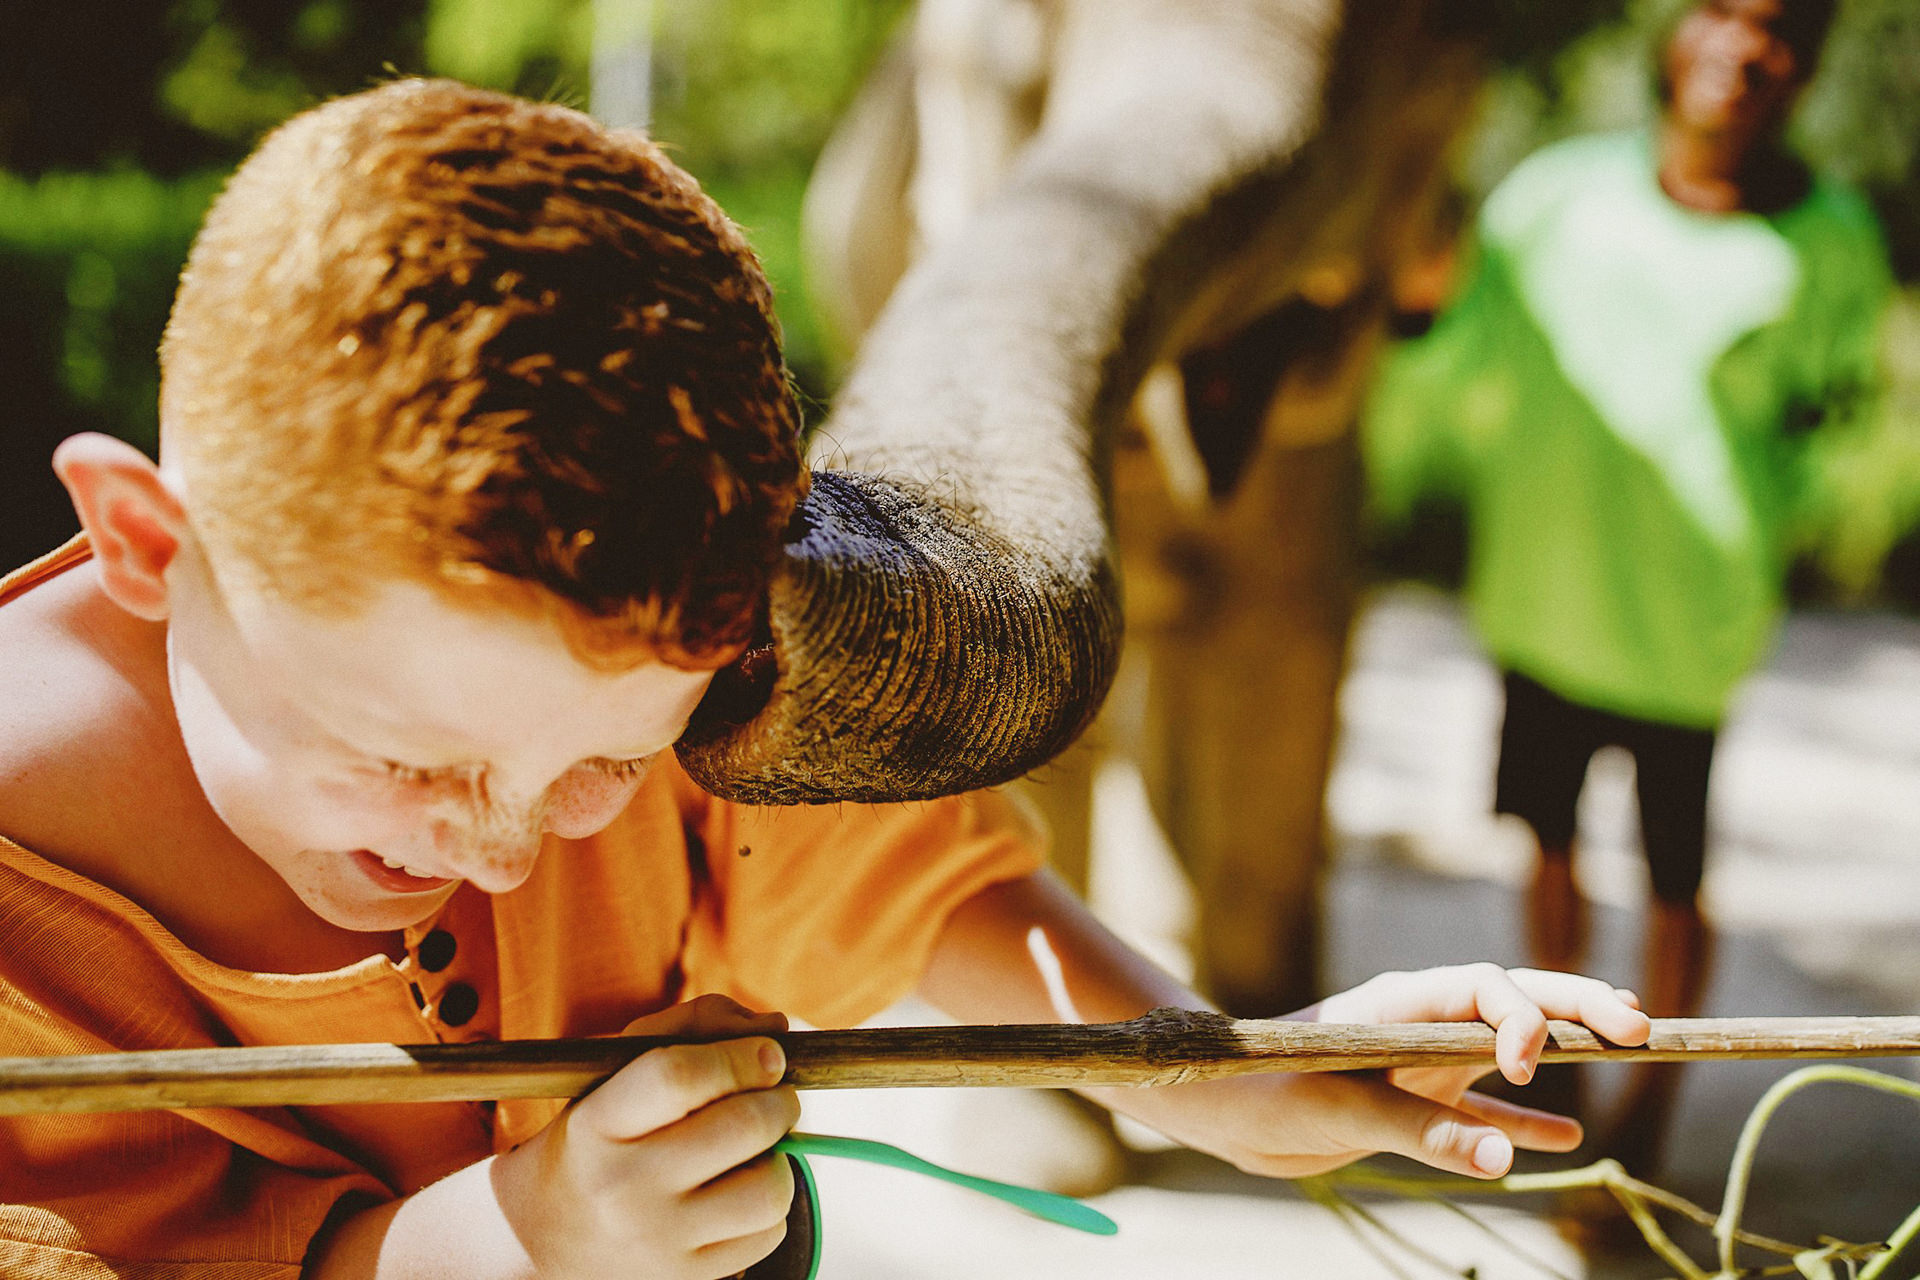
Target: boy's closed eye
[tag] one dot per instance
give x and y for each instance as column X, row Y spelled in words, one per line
column 412, row 775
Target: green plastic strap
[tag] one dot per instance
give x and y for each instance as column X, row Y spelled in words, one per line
column 1060, row 1209
column 811, row 1190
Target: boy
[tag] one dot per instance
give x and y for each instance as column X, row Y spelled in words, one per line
column 476, row 451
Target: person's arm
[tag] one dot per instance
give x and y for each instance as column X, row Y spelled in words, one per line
column 1412, row 438
column 663, row 1171
column 1028, row 951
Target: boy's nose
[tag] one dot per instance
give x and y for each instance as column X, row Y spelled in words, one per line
column 489, row 857
column 495, row 848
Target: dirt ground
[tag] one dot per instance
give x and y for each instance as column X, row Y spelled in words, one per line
column 1814, row 878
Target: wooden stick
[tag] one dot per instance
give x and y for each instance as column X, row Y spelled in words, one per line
column 1167, row 1046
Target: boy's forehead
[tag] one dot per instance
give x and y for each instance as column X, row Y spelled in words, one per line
column 412, row 667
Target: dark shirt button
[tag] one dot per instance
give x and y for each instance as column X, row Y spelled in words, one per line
column 458, row 1003
column 436, row 950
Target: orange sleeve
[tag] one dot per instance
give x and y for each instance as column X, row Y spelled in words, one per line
column 153, row 1196
column 830, row 913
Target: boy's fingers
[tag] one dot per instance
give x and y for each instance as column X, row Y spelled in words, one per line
column 1449, row 1138
column 731, row 1257
column 1518, row 1002
column 666, row 1085
column 1520, row 1026
column 1483, row 991
column 1486, row 991
column 731, row 1132
column 741, row 1202
column 707, row 1017
column 1612, row 1013
column 1451, row 993
column 1529, row 1127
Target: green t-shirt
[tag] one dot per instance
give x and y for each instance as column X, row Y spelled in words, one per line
column 1614, row 396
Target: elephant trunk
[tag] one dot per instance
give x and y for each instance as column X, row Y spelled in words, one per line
column 918, row 655
column 948, row 616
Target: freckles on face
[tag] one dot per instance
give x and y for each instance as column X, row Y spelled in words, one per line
column 584, row 801
column 445, row 738
column 453, row 818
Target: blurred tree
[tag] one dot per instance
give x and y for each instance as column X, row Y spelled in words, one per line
column 536, row 48
column 1863, row 116
column 746, row 93
column 116, row 124
column 748, row 83
column 87, row 268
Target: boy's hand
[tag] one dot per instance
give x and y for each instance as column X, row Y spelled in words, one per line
column 663, row 1171
column 1292, row 1126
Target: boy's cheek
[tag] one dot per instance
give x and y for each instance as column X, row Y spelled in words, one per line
column 276, row 807
column 355, row 816
column 259, row 780
column 583, row 806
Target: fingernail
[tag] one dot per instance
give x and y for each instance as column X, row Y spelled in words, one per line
column 1493, row 1153
column 773, row 1059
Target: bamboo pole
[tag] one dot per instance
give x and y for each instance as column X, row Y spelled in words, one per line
column 1168, row 1046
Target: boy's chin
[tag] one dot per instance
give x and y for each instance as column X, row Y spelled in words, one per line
column 378, row 913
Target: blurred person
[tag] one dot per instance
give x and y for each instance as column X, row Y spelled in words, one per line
column 1652, row 324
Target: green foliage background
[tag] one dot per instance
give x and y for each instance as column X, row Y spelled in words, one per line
column 118, row 123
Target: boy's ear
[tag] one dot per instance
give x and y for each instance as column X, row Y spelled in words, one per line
column 134, row 521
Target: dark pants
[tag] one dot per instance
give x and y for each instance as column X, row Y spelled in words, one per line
column 1545, row 744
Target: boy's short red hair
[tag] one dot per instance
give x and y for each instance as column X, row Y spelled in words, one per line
column 494, row 345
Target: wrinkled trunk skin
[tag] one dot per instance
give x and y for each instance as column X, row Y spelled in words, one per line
column 901, row 628
column 950, row 618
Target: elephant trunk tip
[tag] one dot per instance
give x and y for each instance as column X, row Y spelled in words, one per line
column 910, row 652
column 739, row 692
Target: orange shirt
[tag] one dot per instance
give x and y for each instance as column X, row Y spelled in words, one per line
column 826, row 913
